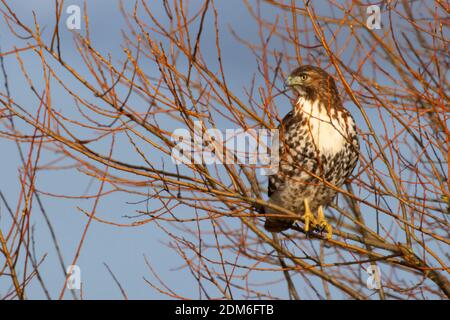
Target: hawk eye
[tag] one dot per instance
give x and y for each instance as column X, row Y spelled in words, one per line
column 303, row 77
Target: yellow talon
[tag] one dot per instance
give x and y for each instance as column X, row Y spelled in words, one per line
column 308, row 216
column 323, row 224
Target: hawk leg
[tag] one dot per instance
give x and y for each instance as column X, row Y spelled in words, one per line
column 322, row 223
column 308, row 215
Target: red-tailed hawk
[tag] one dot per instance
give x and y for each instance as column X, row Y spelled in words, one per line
column 318, row 142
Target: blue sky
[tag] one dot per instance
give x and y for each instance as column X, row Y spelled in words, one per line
column 123, row 249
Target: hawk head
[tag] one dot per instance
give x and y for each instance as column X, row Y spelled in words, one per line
column 312, row 83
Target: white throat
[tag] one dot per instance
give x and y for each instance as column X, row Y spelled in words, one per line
column 328, row 133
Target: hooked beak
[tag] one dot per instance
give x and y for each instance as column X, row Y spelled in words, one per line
column 293, row 82
column 288, row 82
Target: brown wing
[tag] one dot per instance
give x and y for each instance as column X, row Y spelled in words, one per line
column 272, row 188
column 287, row 121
